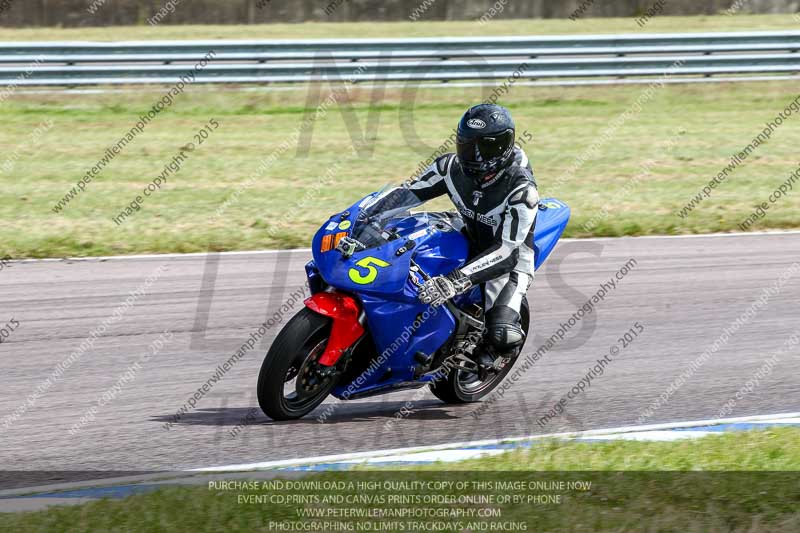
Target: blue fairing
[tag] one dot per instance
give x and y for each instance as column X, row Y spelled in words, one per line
column 400, row 326
column 550, row 224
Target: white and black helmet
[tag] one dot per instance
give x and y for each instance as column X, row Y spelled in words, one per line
column 485, row 140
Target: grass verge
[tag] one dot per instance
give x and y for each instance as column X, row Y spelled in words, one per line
column 634, row 179
column 729, row 482
column 313, row 30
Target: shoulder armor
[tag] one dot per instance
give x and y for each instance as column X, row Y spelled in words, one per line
column 527, row 195
column 443, row 162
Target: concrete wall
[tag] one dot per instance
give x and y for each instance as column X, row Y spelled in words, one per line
column 125, row 12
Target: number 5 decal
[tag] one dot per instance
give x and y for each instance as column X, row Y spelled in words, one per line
column 363, row 279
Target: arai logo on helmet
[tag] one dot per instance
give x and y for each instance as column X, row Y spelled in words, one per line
column 476, row 123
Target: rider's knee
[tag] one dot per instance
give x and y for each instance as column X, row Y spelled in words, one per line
column 503, row 328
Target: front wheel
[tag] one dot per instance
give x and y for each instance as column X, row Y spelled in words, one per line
column 463, row 385
column 290, row 384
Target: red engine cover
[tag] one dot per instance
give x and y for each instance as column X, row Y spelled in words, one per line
column 346, row 329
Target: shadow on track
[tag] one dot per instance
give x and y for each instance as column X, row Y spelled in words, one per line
column 342, row 413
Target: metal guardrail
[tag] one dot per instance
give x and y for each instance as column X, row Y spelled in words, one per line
column 433, row 59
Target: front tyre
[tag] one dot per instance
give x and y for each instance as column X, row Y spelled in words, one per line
column 290, row 384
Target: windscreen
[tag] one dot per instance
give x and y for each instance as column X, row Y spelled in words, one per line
column 381, row 215
column 383, row 228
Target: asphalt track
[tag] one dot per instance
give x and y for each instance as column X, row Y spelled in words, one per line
column 684, row 291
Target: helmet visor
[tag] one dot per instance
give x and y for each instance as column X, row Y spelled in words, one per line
column 482, row 151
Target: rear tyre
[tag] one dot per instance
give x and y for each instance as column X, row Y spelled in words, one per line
column 464, row 386
column 290, row 385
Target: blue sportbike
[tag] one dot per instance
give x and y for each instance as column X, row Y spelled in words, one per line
column 363, row 330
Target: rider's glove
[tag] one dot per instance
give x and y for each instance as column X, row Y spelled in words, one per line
column 436, row 291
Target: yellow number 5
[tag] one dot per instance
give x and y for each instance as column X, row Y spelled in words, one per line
column 362, row 279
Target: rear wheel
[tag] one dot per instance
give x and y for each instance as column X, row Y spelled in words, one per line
column 292, row 383
column 464, row 385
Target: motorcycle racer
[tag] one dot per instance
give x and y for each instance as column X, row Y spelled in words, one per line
column 490, row 181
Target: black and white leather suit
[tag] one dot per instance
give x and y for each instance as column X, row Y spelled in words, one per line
column 499, row 217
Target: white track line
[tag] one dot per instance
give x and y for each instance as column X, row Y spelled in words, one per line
column 306, row 250
column 155, row 256
column 363, row 456
column 418, row 449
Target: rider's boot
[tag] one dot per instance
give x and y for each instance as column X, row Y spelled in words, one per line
column 484, row 357
column 504, row 335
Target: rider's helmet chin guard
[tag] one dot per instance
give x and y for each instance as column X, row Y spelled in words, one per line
column 485, row 141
